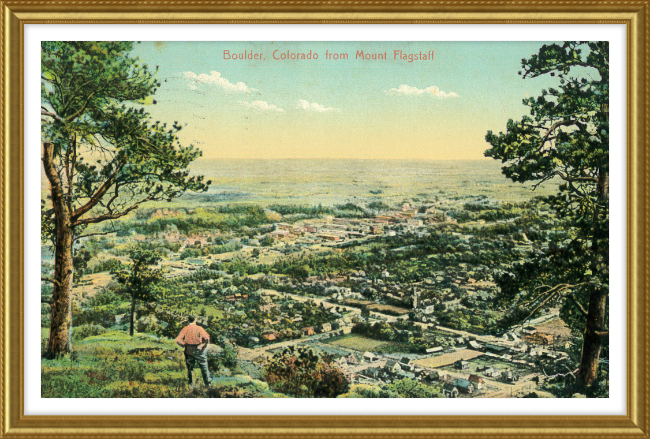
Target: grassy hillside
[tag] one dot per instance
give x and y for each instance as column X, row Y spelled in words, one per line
column 115, row 365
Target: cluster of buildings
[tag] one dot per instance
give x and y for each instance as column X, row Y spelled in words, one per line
column 368, row 368
column 341, row 229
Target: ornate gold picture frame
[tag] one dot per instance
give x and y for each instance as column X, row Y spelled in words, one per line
column 16, row 14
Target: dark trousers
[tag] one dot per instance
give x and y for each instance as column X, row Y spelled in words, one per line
column 196, row 357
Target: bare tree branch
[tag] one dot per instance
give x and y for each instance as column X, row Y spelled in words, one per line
column 92, row 234
column 115, row 215
column 553, row 292
column 50, row 280
column 99, row 194
column 54, row 116
column 81, row 110
column 553, row 128
column 576, row 303
column 572, row 179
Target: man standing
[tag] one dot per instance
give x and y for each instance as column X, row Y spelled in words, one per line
column 195, row 341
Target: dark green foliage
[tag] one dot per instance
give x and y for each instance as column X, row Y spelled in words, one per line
column 80, row 262
column 81, row 332
column 408, row 388
column 267, row 241
column 107, row 265
column 378, row 205
column 102, row 154
column 302, row 373
column 350, row 206
column 85, row 90
column 575, row 148
column 305, row 210
column 566, row 136
column 141, row 281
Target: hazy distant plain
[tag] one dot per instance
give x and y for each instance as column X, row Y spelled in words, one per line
column 329, row 182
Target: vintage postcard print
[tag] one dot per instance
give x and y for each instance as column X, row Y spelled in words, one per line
column 325, row 219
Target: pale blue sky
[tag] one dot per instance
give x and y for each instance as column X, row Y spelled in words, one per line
column 341, row 109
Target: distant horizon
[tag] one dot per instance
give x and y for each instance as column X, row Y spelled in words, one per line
column 436, row 105
column 486, row 159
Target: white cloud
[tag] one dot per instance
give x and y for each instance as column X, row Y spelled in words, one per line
column 433, row 91
column 260, row 105
column 215, row 79
column 305, row 105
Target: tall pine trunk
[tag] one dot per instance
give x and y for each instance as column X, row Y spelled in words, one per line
column 596, row 313
column 59, row 342
column 593, row 341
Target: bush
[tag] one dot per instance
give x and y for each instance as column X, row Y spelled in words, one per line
column 378, row 205
column 267, row 241
column 301, row 373
column 107, row 265
column 85, row 331
column 100, row 315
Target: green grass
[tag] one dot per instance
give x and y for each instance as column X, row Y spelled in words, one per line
column 102, row 367
column 363, row 344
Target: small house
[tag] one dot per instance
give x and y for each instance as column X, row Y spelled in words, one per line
column 408, row 367
column 392, row 366
column 464, row 386
column 461, row 364
column 477, row 381
column 428, row 376
column 308, row 330
column 449, row 390
column 369, row 357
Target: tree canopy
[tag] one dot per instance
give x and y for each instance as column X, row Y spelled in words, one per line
column 565, row 139
column 107, row 152
column 102, row 154
column 141, row 280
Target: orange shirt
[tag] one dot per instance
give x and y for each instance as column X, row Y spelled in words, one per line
column 192, row 334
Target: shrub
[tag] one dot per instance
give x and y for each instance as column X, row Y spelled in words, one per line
column 107, row 265
column 301, row 373
column 84, row 331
